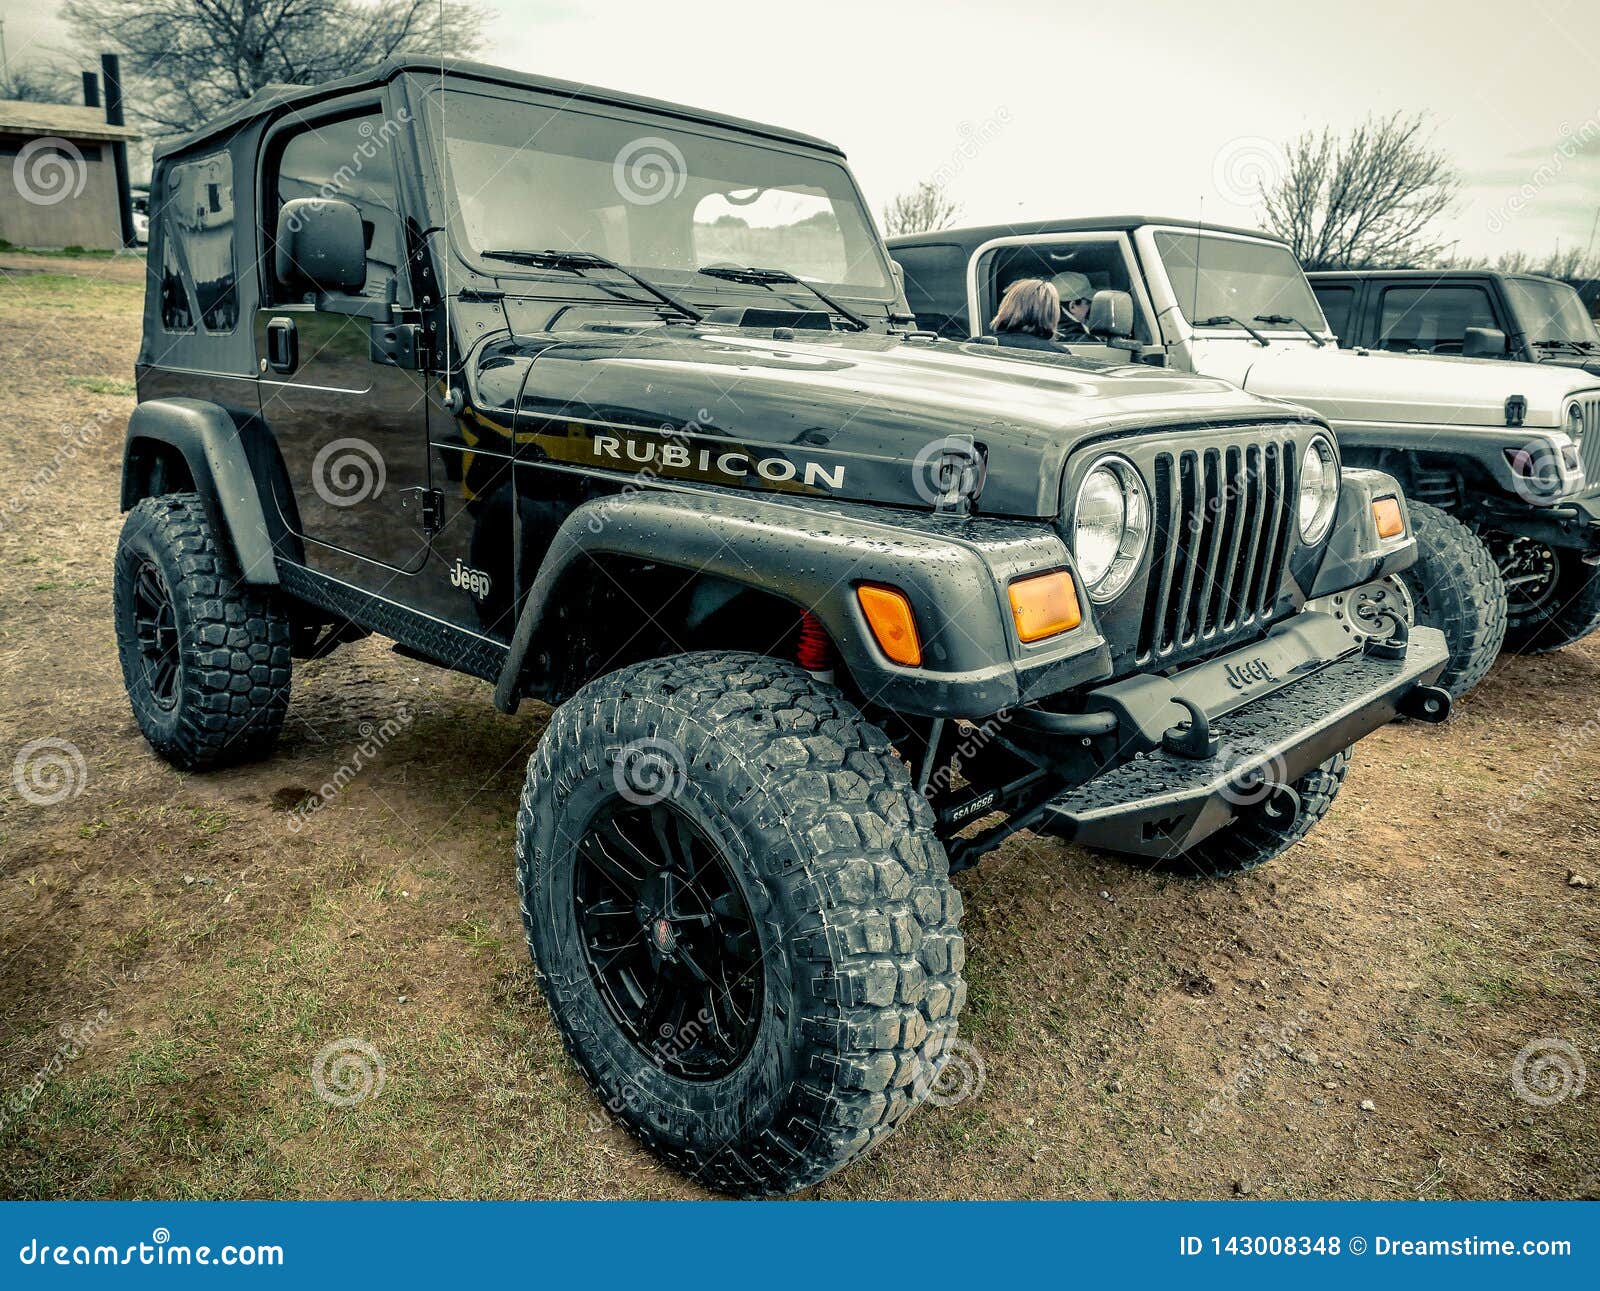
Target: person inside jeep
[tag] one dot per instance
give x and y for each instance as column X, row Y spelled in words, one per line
column 1029, row 314
column 1076, row 292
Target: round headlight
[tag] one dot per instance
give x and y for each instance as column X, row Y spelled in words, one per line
column 1575, row 426
column 1110, row 526
column 1319, row 489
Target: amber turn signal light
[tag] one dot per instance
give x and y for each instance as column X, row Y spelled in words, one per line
column 1386, row 513
column 1045, row 604
column 892, row 623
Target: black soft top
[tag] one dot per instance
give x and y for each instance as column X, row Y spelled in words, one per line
column 274, row 98
column 974, row 237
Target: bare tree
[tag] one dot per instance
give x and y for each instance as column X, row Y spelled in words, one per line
column 187, row 61
column 1366, row 198
column 925, row 208
column 37, row 82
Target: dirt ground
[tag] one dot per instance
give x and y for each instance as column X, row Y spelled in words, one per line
column 177, row 951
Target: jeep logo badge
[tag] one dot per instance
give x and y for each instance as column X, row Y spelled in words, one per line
column 470, row 580
column 1242, row 676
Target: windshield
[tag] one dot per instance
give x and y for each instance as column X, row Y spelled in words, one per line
column 1550, row 311
column 660, row 200
column 1249, row 281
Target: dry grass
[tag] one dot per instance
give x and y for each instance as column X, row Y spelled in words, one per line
column 1141, row 1038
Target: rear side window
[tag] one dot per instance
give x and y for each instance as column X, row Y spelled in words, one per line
column 349, row 159
column 936, row 287
column 1336, row 303
column 197, row 262
column 1432, row 319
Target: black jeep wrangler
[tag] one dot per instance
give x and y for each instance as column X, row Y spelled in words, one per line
column 614, row 404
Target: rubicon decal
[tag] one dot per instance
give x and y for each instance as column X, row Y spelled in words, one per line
column 734, row 463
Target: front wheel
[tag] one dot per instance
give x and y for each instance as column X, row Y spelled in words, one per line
column 1456, row 588
column 740, row 916
column 1554, row 597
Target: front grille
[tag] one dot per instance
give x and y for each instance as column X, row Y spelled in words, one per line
column 1220, row 537
column 1591, row 441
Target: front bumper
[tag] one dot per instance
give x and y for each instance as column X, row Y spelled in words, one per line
column 1159, row 804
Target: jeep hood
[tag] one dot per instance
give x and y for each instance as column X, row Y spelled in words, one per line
column 1411, row 389
column 844, row 415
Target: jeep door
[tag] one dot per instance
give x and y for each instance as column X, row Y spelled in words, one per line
column 352, row 431
column 1104, row 259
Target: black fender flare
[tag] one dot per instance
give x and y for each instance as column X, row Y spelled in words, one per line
column 209, row 440
column 1355, row 553
column 815, row 557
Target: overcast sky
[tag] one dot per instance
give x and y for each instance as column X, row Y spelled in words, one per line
column 1042, row 108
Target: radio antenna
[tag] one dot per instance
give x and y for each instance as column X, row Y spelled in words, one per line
column 1199, row 246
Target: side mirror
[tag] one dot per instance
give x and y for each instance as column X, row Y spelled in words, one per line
column 1483, row 343
column 320, row 242
column 1111, row 313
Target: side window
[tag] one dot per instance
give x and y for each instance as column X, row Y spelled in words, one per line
column 349, row 159
column 197, row 246
column 936, row 287
column 1078, row 270
column 1336, row 303
column 1434, row 319
column 176, row 315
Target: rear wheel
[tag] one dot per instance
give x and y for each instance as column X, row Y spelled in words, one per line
column 1553, row 597
column 1456, row 588
column 740, row 916
column 205, row 657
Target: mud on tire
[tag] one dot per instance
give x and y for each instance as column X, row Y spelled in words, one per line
column 831, row 853
column 1456, row 588
column 1255, row 837
column 205, row 657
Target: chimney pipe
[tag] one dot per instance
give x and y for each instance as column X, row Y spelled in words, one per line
column 111, row 74
column 91, row 90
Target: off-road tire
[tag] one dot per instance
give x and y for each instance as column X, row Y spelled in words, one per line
column 834, row 852
column 1254, row 838
column 1571, row 614
column 1456, row 588
column 231, row 690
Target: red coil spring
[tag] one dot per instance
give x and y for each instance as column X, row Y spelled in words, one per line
column 814, row 652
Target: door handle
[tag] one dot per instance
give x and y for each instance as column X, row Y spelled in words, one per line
column 283, row 345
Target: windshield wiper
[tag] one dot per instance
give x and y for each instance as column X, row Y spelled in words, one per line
column 771, row 278
column 1217, row 320
column 1281, row 320
column 578, row 261
column 1583, row 347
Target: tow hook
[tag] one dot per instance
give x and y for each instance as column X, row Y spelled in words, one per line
column 1394, row 645
column 1281, row 807
column 1191, row 739
column 1426, row 704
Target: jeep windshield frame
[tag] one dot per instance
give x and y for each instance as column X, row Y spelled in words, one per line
column 658, row 195
column 1255, row 279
